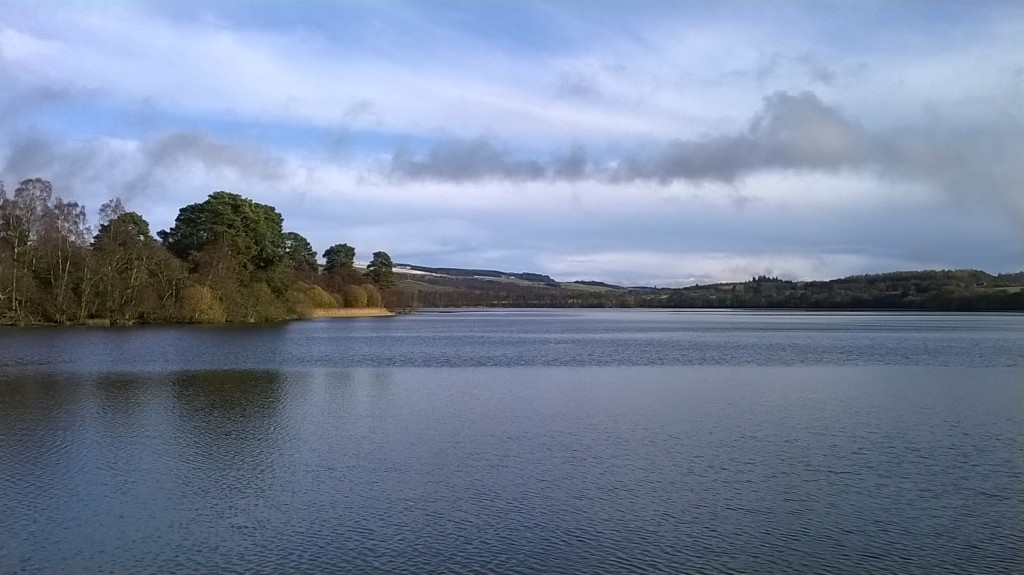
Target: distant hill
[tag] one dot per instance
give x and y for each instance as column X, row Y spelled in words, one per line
column 953, row 290
column 597, row 284
column 475, row 273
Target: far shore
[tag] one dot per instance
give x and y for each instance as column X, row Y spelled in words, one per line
column 351, row 312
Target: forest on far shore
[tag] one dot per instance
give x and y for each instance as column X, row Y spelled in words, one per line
column 929, row 290
column 227, row 258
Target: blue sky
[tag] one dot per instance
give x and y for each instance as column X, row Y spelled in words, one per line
column 645, row 142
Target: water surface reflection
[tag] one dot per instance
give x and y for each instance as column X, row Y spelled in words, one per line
column 582, row 451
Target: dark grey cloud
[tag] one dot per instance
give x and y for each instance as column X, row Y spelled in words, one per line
column 177, row 150
column 789, row 132
column 126, row 170
column 464, row 160
column 571, row 166
column 28, row 155
column 179, row 147
column 70, row 166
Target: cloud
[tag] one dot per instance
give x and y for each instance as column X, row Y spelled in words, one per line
column 129, row 168
column 976, row 167
column 537, row 131
column 75, row 167
column 571, row 166
column 463, row 160
column 29, row 154
column 481, row 159
column 789, row 132
column 685, row 231
column 178, row 148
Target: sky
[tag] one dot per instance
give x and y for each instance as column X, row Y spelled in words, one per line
column 639, row 142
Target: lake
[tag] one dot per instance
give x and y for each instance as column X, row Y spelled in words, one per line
column 523, row 441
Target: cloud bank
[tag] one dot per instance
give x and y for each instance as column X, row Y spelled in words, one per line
column 656, row 143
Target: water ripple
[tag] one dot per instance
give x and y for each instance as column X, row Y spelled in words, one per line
column 317, row 467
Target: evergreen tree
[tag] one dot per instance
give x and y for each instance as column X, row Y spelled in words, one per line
column 339, row 259
column 381, row 271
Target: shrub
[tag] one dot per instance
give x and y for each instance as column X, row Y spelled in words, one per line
column 197, row 304
column 319, row 298
column 355, row 296
column 260, row 304
column 373, row 297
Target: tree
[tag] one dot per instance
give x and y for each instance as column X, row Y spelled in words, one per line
column 380, row 270
column 251, row 232
column 121, row 227
column 299, row 253
column 339, row 259
column 20, row 222
column 10, row 239
column 225, row 259
column 125, row 258
column 61, row 255
column 42, row 251
column 217, row 269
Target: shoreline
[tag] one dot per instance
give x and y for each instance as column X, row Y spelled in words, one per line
column 344, row 312
column 359, row 312
column 316, row 313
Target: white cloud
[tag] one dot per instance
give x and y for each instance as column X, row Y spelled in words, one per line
column 207, row 68
column 904, row 155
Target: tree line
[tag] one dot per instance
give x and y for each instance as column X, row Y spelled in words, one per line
column 227, row 258
column 935, row 290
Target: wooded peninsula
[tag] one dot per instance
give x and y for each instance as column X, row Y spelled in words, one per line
column 228, row 259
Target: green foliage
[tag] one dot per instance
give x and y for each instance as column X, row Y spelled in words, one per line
column 380, row 270
column 225, row 259
column 299, row 253
column 126, row 229
column 251, row 232
column 339, row 258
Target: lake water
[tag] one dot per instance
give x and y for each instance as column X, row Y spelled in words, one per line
column 518, row 442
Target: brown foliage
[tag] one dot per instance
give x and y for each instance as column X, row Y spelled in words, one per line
column 198, row 304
